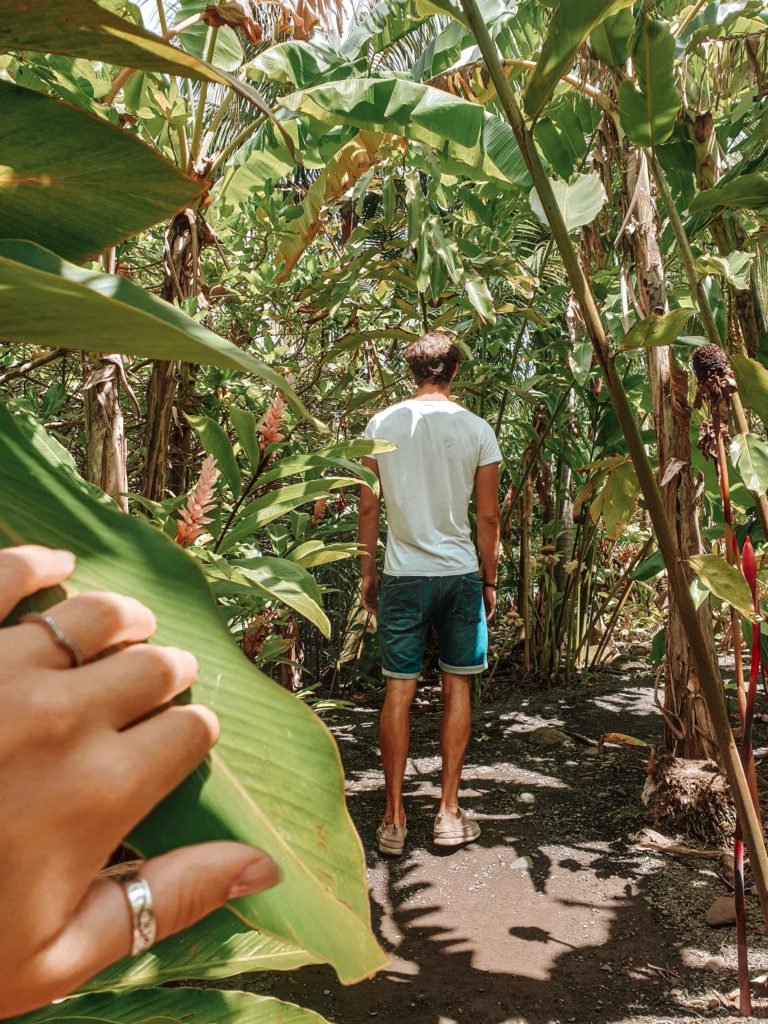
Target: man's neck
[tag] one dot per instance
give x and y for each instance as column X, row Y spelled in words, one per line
column 439, row 392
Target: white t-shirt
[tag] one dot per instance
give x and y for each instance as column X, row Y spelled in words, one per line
column 427, row 484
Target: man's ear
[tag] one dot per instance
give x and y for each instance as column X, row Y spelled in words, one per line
column 455, row 371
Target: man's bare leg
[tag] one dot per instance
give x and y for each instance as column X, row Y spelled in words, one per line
column 454, row 738
column 394, row 734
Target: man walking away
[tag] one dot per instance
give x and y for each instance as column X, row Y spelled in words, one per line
column 444, row 454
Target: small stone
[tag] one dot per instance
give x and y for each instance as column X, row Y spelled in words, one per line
column 722, row 912
column 549, row 736
column 521, row 863
column 326, row 991
column 715, row 964
column 527, row 798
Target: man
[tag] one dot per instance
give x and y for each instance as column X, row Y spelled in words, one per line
column 444, row 453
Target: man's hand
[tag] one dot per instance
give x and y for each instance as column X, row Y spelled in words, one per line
column 489, row 600
column 369, row 594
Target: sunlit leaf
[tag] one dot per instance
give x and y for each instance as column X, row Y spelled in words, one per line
column 76, row 182
column 610, row 39
column 83, row 28
column 656, row 329
column 616, row 502
column 171, row 1006
column 219, row 946
column 46, row 301
column 649, row 111
column 748, row 192
column 724, row 581
column 579, row 202
column 572, row 21
column 216, row 443
column 470, row 140
column 270, row 745
column 749, row 456
column 752, row 378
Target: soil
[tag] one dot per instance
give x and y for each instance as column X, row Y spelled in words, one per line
column 556, row 914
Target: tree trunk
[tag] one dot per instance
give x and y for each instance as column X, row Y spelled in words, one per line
column 184, row 239
column 687, row 725
column 105, row 443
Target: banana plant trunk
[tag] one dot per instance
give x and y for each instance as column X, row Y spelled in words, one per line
column 688, row 729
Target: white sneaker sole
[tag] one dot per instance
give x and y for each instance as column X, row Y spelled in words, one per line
column 455, row 840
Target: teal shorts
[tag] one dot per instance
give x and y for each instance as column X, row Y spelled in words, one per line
column 454, row 604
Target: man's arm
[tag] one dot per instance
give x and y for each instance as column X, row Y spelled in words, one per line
column 368, row 538
column 487, row 509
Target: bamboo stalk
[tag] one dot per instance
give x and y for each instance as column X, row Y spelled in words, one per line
column 667, row 541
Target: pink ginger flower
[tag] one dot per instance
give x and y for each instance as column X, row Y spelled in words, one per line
column 269, row 432
column 193, row 518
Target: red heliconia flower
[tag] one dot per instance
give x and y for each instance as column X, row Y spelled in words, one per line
column 749, row 568
column 193, row 518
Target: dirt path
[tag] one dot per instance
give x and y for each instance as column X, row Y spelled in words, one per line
column 555, row 915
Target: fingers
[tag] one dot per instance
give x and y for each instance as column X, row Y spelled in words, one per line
column 186, row 885
column 128, row 685
column 29, row 568
column 160, row 753
column 93, row 621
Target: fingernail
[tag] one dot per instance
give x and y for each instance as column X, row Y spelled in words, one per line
column 66, row 558
column 260, row 875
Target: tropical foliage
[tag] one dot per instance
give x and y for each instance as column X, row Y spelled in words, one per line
column 224, row 222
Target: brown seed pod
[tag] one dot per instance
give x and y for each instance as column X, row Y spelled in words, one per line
column 713, row 374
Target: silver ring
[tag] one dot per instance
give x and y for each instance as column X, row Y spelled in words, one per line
column 58, row 635
column 140, row 903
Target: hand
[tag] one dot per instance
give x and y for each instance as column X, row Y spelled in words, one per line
column 489, row 601
column 81, row 763
column 369, row 594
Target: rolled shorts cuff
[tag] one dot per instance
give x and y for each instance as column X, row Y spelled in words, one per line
column 400, row 675
column 463, row 670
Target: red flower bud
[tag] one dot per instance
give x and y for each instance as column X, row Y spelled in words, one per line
column 749, row 568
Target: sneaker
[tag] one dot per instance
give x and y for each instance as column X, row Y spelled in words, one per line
column 450, row 831
column 391, row 838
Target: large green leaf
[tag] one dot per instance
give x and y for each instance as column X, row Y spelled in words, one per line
column 76, row 182
column 46, row 301
column 219, row 946
column 752, row 378
column 748, row 192
column 302, row 64
column 227, row 51
column 610, row 39
column 217, row 443
column 648, row 112
column 275, row 777
column 749, row 455
column 616, row 502
column 724, row 581
column 170, row 1006
column 246, row 425
column 579, row 202
column 276, row 504
column 280, row 580
column 656, row 329
column 470, row 141
column 571, row 23
column 83, row 28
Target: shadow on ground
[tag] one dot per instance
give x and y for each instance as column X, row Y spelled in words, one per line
column 555, row 914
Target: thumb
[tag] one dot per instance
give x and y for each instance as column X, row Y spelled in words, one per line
column 186, row 884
